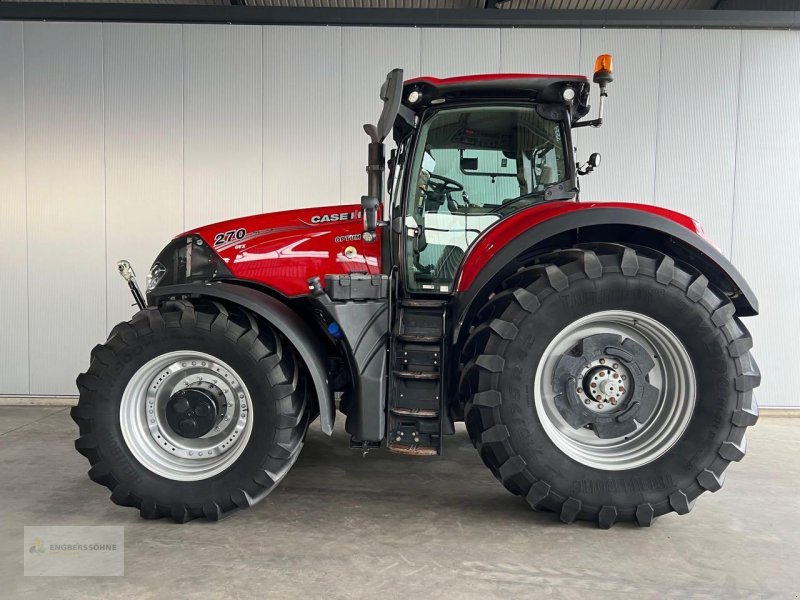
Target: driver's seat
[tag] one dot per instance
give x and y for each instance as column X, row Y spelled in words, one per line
column 448, row 263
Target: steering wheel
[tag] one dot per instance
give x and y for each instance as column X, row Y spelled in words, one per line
column 444, row 185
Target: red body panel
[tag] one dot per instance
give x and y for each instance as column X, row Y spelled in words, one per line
column 283, row 250
column 489, row 77
column 494, row 238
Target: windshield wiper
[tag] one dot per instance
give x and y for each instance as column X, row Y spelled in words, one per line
column 508, row 203
column 551, row 192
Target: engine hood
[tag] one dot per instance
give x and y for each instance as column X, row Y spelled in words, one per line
column 283, row 250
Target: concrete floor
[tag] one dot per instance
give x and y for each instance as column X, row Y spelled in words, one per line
column 345, row 527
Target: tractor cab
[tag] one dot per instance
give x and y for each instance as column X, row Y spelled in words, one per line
column 470, row 152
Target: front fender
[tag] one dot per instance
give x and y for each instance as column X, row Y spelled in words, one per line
column 282, row 318
column 497, row 249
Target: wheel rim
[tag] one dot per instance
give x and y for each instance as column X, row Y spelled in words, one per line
column 145, row 422
column 673, row 393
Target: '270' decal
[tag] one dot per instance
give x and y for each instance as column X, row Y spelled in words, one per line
column 226, row 237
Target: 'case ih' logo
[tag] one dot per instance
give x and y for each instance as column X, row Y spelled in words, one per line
column 336, row 217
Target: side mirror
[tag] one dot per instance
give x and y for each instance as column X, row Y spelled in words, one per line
column 469, row 164
column 369, row 212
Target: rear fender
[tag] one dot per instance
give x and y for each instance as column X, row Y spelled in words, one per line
column 283, row 318
column 503, row 248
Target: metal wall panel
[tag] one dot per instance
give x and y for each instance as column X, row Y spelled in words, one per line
column 539, row 50
column 765, row 243
column 14, row 257
column 452, row 52
column 696, row 141
column 222, row 122
column 90, row 196
column 627, row 140
column 302, row 122
column 66, row 214
column 368, row 54
column 143, row 75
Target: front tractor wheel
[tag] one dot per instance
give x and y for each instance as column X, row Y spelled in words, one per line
column 609, row 384
column 191, row 411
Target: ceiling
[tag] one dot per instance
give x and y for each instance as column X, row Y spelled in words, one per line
column 436, row 4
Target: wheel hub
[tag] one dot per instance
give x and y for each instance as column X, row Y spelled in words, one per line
column 604, row 384
column 601, row 384
column 192, row 412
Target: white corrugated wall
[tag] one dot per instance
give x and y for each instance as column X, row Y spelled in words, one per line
column 115, row 137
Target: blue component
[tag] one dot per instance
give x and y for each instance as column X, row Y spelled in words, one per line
column 335, row 330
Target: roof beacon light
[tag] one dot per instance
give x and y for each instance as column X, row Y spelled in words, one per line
column 603, row 69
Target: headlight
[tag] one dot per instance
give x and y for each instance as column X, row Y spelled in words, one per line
column 184, row 260
column 156, row 274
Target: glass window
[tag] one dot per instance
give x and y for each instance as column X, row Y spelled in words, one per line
column 472, row 167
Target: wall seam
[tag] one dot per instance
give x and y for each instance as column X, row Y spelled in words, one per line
column 658, row 114
column 500, row 57
column 25, row 192
column 341, row 115
column 105, row 165
column 183, row 129
column 736, row 139
column 261, row 106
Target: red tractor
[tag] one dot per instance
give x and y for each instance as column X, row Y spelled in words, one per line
column 593, row 350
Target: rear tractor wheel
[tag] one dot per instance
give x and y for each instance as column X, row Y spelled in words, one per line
column 191, row 411
column 609, row 384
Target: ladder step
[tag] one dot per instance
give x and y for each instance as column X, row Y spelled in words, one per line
column 422, row 413
column 430, row 375
column 419, row 303
column 419, row 338
column 411, row 449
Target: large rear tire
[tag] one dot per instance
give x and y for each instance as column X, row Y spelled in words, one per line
column 189, row 410
column 609, row 384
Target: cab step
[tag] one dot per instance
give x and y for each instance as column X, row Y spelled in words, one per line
column 415, row 406
column 421, row 303
column 422, row 413
column 415, row 338
column 417, row 374
column 412, row 449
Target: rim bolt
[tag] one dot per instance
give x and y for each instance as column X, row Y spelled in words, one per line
column 621, row 390
column 594, row 385
column 624, row 378
column 613, row 402
column 602, row 373
column 602, row 361
column 587, row 401
column 615, row 376
column 580, row 390
column 615, row 366
column 599, row 406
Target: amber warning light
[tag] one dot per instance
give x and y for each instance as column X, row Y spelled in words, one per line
column 603, row 68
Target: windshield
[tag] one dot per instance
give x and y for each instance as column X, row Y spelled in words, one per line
column 472, row 167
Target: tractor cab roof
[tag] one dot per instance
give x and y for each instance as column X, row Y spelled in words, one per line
column 547, row 89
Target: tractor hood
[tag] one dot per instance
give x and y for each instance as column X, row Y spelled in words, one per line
column 283, row 250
